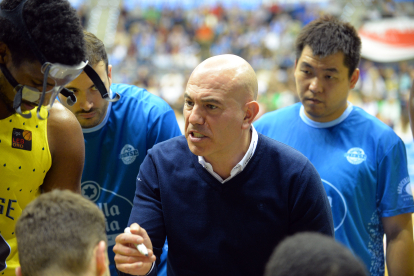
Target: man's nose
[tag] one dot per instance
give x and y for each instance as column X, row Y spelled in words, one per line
column 196, row 116
column 315, row 85
column 85, row 100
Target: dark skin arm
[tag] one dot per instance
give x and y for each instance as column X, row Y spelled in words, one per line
column 67, row 148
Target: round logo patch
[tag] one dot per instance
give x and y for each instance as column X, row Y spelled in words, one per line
column 91, row 190
column 356, row 156
column 128, row 154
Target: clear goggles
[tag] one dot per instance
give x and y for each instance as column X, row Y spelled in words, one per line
column 56, row 76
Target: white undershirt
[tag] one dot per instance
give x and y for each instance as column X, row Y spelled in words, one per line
column 337, row 121
column 240, row 166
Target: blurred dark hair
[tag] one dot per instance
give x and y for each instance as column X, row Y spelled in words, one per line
column 54, row 27
column 313, row 254
column 57, row 232
column 95, row 50
column 327, row 36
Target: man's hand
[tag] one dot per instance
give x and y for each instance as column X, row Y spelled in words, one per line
column 127, row 257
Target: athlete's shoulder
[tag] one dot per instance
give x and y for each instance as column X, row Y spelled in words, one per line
column 61, row 125
column 132, row 93
column 363, row 119
column 270, row 121
column 272, row 146
column 61, row 117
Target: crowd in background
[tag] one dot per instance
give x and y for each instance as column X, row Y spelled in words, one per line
column 157, row 48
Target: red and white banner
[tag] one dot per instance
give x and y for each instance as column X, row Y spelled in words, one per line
column 388, row 40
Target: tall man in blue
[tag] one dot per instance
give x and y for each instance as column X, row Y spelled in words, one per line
column 362, row 162
column 223, row 194
column 117, row 137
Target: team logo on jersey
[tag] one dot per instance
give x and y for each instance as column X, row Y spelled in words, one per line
column 405, row 190
column 337, row 203
column 91, row 190
column 356, row 156
column 128, row 154
column 115, row 207
column 21, row 139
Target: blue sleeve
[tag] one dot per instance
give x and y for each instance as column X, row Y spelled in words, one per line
column 308, row 204
column 395, row 196
column 161, row 127
column 147, row 209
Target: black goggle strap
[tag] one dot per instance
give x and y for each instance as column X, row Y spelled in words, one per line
column 19, row 91
column 18, row 102
column 42, row 97
column 99, row 84
column 8, row 75
column 70, row 96
column 15, row 16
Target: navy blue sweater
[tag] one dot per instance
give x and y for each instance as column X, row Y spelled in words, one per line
column 232, row 228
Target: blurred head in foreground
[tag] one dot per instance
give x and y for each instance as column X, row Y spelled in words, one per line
column 313, row 254
column 61, row 233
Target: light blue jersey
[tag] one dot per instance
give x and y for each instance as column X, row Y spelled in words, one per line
column 363, row 166
column 115, row 149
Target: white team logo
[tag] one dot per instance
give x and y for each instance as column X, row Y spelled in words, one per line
column 337, row 203
column 356, row 156
column 112, row 206
column 404, row 188
column 128, row 154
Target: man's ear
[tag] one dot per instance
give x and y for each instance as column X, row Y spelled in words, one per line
column 354, row 78
column 110, row 74
column 4, row 53
column 101, row 258
column 252, row 109
column 18, row 271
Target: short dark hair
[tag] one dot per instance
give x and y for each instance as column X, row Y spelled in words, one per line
column 58, row 230
column 54, row 27
column 327, row 36
column 313, row 254
column 95, row 50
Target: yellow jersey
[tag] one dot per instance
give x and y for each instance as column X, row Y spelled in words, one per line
column 24, row 161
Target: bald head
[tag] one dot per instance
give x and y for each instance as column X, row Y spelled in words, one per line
column 229, row 73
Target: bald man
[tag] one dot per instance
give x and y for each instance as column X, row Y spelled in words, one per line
column 223, row 194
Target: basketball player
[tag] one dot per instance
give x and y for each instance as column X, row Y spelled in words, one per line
column 361, row 161
column 41, row 146
column 118, row 134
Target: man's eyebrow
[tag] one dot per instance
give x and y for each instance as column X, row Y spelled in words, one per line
column 76, row 88
column 204, row 100
column 210, row 100
column 333, row 69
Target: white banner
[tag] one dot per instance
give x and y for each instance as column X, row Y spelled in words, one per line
column 388, row 40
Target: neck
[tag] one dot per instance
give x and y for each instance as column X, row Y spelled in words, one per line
column 5, row 109
column 222, row 165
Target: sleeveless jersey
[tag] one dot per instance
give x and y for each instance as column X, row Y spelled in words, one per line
column 24, row 161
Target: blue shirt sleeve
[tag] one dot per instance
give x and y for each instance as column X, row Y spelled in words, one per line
column 394, row 191
column 161, row 127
